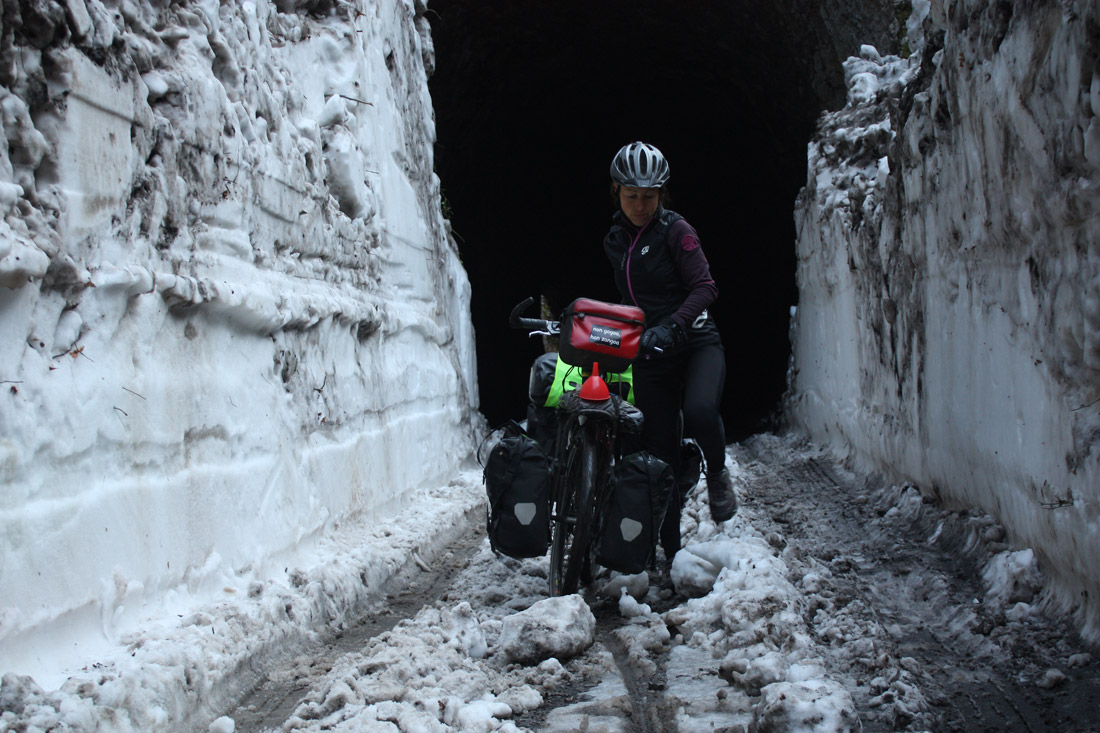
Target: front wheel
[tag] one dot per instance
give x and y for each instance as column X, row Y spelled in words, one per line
column 560, row 527
column 574, row 518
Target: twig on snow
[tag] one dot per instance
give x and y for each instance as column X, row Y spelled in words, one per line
column 134, row 393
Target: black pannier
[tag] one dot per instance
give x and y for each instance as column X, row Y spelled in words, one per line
column 541, row 380
column 542, row 421
column 542, row 425
column 517, row 480
column 640, row 487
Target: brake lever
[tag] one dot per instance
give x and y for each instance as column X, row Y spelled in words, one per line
column 553, row 328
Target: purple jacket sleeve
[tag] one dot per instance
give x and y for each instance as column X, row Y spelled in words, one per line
column 694, row 271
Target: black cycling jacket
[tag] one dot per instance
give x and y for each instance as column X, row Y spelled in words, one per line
column 662, row 270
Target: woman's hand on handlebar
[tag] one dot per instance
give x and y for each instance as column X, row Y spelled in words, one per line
column 665, row 336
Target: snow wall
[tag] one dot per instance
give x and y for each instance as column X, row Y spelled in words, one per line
column 948, row 327
column 231, row 310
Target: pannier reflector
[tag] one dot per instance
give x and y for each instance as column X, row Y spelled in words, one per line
column 525, row 512
column 630, row 528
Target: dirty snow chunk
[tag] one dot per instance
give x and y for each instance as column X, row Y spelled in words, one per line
column 554, row 627
column 692, row 575
column 156, row 84
column 630, row 607
column 21, row 262
column 813, row 581
column 478, row 715
column 223, row 724
column 644, row 631
column 821, row 706
column 1052, row 678
column 870, row 53
column 68, row 330
column 465, row 631
column 763, row 671
column 883, row 172
column 9, row 194
column 863, row 89
column 637, row 585
column 1013, row 577
column 1021, row 611
column 806, row 671
column 521, row 698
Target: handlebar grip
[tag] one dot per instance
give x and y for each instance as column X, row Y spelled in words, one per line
column 514, row 319
column 538, row 325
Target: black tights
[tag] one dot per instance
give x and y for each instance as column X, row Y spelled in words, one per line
column 689, row 384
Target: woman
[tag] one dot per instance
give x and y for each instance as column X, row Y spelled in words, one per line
column 660, row 267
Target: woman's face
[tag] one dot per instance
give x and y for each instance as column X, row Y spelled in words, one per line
column 639, row 204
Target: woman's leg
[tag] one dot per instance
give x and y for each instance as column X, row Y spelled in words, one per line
column 657, row 392
column 704, row 380
column 705, row 375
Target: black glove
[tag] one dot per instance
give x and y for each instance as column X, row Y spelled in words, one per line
column 664, row 337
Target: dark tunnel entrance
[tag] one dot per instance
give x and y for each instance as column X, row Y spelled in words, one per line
column 532, row 100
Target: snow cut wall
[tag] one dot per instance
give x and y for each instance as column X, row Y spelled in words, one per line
column 948, row 329
column 231, row 310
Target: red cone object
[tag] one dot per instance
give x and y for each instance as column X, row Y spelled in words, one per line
column 594, row 388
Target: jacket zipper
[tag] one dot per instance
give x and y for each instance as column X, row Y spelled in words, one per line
column 629, row 252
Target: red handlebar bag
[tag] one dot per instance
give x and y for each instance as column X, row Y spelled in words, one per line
column 592, row 330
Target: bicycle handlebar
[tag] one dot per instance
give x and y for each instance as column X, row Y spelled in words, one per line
column 536, row 326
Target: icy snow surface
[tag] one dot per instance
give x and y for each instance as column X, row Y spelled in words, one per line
column 496, row 648
column 948, row 325
column 453, row 666
column 171, row 672
column 789, row 626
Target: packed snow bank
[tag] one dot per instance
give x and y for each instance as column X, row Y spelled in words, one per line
column 232, row 312
column 177, row 670
column 949, row 265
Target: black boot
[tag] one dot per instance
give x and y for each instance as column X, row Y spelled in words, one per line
column 723, row 502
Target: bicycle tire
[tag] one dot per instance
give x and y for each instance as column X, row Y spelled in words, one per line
column 571, row 521
column 559, row 531
column 579, row 557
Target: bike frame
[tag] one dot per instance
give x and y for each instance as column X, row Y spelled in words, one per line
column 586, row 449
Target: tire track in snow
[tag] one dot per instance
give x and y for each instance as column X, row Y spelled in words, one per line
column 628, row 692
column 644, row 678
column 415, row 585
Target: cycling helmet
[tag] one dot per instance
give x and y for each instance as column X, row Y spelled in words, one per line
column 640, row 165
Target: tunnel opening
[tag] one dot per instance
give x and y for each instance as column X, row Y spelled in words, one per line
column 533, row 99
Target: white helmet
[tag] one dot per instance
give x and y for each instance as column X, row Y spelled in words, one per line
column 640, row 165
